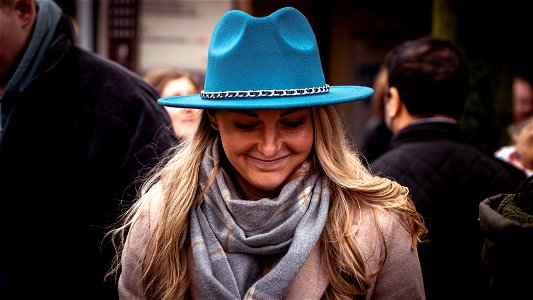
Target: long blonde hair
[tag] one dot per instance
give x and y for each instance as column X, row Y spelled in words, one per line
column 165, row 273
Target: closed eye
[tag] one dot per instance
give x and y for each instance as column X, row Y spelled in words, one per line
column 245, row 126
column 293, row 124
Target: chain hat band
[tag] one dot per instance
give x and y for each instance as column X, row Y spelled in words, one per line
column 265, row 93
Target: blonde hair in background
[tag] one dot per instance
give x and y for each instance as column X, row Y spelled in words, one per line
column 524, row 144
column 174, row 188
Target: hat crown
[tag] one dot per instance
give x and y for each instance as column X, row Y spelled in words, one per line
column 278, row 51
column 265, row 63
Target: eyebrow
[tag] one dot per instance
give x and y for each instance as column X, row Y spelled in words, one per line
column 254, row 115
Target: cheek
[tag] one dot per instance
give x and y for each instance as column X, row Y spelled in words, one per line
column 387, row 114
column 234, row 144
column 174, row 112
column 301, row 142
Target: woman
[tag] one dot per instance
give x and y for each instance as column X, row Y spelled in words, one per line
column 173, row 82
column 267, row 200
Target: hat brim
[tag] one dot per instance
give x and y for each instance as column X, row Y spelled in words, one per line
column 337, row 94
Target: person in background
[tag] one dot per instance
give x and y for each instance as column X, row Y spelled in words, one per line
column 520, row 152
column 268, row 200
column 172, row 82
column 522, row 92
column 506, row 221
column 447, row 178
column 376, row 134
column 522, row 98
column 76, row 131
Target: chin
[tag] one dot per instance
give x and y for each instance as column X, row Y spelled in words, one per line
column 271, row 187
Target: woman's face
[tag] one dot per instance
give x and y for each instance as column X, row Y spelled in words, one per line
column 184, row 120
column 265, row 146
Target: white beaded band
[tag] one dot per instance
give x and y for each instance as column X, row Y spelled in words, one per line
column 265, row 93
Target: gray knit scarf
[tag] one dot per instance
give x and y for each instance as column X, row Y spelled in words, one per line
column 229, row 234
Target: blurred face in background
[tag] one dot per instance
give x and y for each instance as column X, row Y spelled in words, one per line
column 184, row 120
column 522, row 99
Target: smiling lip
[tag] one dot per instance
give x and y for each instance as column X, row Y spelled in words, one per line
column 270, row 164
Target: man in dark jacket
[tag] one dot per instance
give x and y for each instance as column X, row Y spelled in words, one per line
column 429, row 154
column 76, row 132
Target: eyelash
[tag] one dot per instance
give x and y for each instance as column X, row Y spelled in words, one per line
column 287, row 124
column 293, row 124
column 244, row 127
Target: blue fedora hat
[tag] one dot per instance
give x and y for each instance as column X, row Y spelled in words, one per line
column 265, row 63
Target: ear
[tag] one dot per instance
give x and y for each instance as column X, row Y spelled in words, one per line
column 213, row 120
column 514, row 156
column 393, row 105
column 26, row 11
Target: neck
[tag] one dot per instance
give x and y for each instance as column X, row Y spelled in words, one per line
column 408, row 119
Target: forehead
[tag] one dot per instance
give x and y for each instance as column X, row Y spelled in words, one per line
column 179, row 85
column 266, row 112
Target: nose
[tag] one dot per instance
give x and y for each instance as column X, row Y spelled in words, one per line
column 192, row 113
column 270, row 142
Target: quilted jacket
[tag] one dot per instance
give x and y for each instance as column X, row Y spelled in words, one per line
column 447, row 179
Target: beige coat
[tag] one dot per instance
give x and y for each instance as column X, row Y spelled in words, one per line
column 399, row 278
